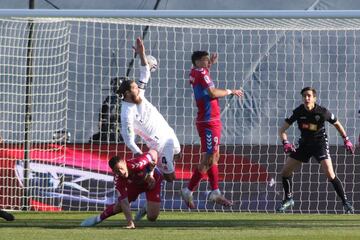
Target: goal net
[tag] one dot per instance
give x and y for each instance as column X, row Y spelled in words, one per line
column 73, row 62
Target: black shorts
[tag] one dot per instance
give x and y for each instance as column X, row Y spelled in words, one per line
column 318, row 149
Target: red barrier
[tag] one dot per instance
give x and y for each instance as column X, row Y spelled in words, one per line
column 94, row 157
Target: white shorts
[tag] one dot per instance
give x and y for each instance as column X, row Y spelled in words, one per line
column 170, row 148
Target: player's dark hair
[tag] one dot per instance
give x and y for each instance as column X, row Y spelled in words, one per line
column 305, row 89
column 113, row 161
column 116, row 82
column 197, row 55
column 124, row 86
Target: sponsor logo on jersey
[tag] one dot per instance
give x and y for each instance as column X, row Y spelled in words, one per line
column 313, row 127
column 304, row 126
column 309, row 126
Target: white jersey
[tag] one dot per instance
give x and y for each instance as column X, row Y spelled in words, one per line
column 146, row 121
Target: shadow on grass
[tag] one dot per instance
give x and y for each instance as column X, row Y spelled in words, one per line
column 185, row 224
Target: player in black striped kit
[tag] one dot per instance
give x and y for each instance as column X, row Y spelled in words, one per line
column 313, row 142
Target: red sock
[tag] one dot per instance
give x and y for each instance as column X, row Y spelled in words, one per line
column 195, row 179
column 213, row 174
column 108, row 212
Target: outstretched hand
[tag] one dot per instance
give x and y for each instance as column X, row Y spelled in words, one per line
column 237, row 92
column 349, row 146
column 139, row 47
column 213, row 58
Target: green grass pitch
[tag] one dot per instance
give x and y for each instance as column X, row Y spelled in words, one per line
column 184, row 225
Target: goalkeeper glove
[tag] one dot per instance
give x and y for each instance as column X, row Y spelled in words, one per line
column 348, row 145
column 288, row 147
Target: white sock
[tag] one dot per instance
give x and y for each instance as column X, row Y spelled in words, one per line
column 187, row 190
column 216, row 192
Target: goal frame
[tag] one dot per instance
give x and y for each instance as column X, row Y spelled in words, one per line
column 289, row 16
column 180, row 13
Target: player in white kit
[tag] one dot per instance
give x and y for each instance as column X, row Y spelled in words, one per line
column 140, row 117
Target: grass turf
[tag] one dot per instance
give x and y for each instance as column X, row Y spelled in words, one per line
column 184, row 225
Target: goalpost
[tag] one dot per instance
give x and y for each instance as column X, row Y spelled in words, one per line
column 272, row 55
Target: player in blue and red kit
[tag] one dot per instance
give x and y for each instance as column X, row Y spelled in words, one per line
column 208, row 124
column 131, row 178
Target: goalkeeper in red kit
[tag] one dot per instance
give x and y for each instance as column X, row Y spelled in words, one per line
column 131, row 178
column 209, row 126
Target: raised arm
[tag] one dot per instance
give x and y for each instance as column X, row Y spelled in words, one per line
column 218, row 92
column 213, row 58
column 144, row 69
column 139, row 49
column 144, row 78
